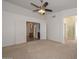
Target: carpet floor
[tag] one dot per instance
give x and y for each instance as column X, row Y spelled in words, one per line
column 41, row 49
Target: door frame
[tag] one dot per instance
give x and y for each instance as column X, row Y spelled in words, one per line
column 65, row 29
column 26, row 27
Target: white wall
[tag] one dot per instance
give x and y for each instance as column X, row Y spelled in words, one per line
column 14, row 24
column 8, row 29
column 55, row 28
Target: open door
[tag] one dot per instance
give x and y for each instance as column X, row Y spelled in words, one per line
column 69, row 28
column 33, row 31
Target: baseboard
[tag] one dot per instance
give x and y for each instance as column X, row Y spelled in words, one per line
column 14, row 44
column 56, row 41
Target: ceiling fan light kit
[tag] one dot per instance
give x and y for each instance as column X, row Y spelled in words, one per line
column 41, row 9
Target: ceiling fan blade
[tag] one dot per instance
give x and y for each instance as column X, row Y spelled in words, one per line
column 35, row 5
column 36, row 10
column 49, row 10
column 41, row 1
column 45, row 4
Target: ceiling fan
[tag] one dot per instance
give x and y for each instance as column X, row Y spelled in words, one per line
column 41, row 9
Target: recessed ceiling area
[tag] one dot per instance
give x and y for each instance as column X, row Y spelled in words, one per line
column 55, row 5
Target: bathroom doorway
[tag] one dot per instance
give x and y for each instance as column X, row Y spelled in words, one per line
column 33, row 31
column 69, row 29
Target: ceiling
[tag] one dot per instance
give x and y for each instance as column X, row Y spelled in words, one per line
column 55, row 5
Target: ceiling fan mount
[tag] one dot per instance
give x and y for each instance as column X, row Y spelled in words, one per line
column 41, row 9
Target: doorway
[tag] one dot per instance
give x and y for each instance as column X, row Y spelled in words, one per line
column 33, row 31
column 69, row 29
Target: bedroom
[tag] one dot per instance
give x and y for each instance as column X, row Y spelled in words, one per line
column 15, row 15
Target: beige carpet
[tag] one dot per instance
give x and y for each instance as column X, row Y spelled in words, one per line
column 41, row 49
